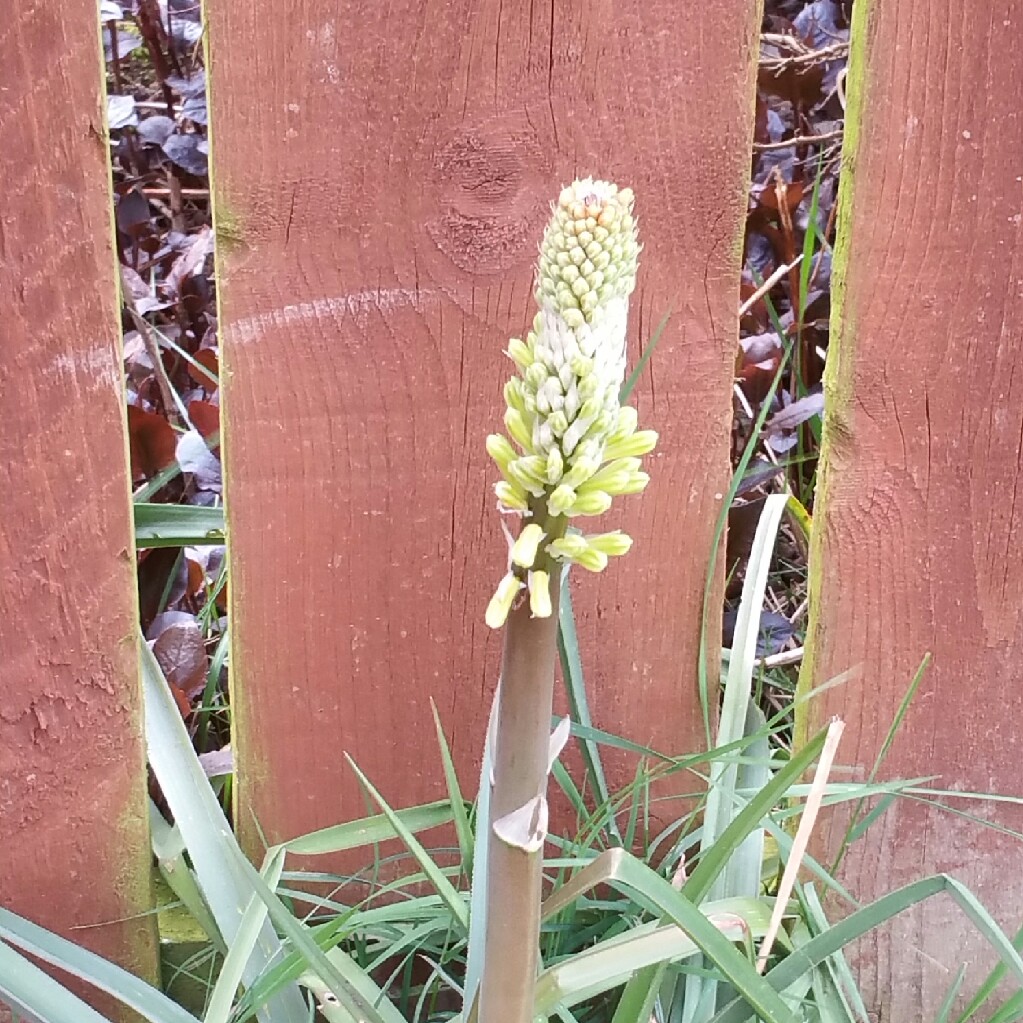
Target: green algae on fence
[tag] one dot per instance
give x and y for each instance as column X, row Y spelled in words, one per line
column 73, row 800
column 917, row 529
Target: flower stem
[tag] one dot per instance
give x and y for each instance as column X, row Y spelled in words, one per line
column 514, row 875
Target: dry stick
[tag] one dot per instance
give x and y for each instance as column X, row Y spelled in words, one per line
column 781, row 659
column 802, row 839
column 799, row 140
column 152, row 350
column 768, row 284
column 514, row 876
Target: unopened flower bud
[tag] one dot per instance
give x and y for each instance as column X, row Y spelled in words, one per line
column 561, row 500
column 640, row 443
column 502, row 600
column 594, row 502
column 525, row 547
column 613, row 544
column 540, row 595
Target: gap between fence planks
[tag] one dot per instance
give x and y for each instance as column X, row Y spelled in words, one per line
column 72, row 766
column 919, row 528
column 383, row 175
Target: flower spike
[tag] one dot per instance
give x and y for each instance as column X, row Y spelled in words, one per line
column 579, row 447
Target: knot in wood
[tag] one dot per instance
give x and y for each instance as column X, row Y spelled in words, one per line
column 488, row 181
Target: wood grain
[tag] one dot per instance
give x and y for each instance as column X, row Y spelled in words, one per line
column 72, row 766
column 383, row 176
column 919, row 524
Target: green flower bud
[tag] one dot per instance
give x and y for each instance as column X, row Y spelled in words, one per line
column 502, row 600
column 614, row 469
column 501, row 451
column 523, row 471
column 567, row 547
column 526, row 545
column 511, row 495
column 592, row 560
column 613, row 544
column 536, row 375
column 555, row 466
column 594, row 502
column 582, row 469
column 628, row 420
column 574, row 318
column 639, row 443
column 561, row 500
column 516, row 424
column 521, row 354
column 540, row 595
column 558, row 422
column 637, row 483
column 514, row 396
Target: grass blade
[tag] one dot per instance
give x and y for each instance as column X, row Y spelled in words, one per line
column 713, row 860
column 352, row 987
column 864, row 920
column 462, row 827
column 177, row 525
column 211, row 845
column 624, row 872
column 655, row 337
column 32, row 993
column 79, row 962
column 370, row 830
column 575, row 686
column 444, row 888
column 231, row 970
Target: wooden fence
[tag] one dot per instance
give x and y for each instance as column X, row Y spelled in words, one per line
column 370, row 273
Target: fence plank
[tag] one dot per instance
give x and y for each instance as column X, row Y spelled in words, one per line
column 918, row 529
column 72, row 795
column 376, row 256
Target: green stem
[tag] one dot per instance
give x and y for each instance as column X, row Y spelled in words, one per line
column 514, row 876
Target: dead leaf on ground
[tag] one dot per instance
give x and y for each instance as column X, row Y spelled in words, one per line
column 151, row 442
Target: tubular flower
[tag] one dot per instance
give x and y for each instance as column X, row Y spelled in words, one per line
column 570, row 446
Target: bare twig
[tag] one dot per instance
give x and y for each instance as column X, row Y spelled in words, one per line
column 801, row 53
column 152, row 347
column 800, row 140
column 782, row 659
column 802, row 839
column 767, row 285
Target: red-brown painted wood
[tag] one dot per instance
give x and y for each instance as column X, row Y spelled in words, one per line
column 75, row 848
column 383, row 175
column 919, row 524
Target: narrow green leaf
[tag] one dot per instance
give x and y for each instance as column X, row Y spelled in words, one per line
column 353, row 987
column 370, row 830
column 208, row 837
column 462, row 827
column 169, row 848
column 444, row 888
column 177, row 525
column 222, row 997
column 713, row 860
column 31, row 992
column 624, row 872
column 579, row 707
column 703, row 665
column 626, row 390
column 945, row 1009
column 476, row 950
column 864, row 920
column 640, row 994
column 882, row 755
column 101, row 974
